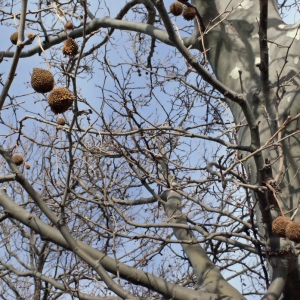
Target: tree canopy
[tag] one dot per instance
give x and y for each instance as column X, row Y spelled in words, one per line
column 149, row 150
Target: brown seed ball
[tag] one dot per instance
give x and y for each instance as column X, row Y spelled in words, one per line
column 70, row 47
column 176, row 8
column 189, row 13
column 14, row 38
column 69, row 25
column 279, row 226
column 183, row 1
column 60, row 121
column 18, row 159
column 60, row 99
column 293, row 231
column 42, row 81
column 30, row 35
column 27, row 166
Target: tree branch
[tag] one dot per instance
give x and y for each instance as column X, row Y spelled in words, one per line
column 16, row 55
column 131, row 274
column 280, row 266
column 93, row 26
column 55, row 283
column 209, row 277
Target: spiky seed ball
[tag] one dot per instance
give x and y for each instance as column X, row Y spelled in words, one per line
column 27, row 166
column 69, row 25
column 176, row 8
column 292, row 231
column 60, row 121
column 42, row 81
column 30, row 35
column 70, row 47
column 60, row 99
column 279, row 226
column 189, row 13
column 14, row 38
column 18, row 159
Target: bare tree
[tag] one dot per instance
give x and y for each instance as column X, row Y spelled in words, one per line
column 149, row 150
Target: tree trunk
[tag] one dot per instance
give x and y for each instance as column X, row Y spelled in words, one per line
column 234, row 54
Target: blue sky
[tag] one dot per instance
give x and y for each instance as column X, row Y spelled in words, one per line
column 87, row 88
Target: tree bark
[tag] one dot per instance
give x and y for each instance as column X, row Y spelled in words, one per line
column 209, row 278
column 235, row 56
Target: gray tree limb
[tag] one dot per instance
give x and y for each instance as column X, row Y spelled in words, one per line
column 131, row 274
column 208, row 276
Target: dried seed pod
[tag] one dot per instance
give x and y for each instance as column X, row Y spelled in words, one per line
column 30, row 35
column 60, row 121
column 292, row 231
column 279, row 226
column 70, row 47
column 69, row 26
column 176, row 8
column 18, row 159
column 60, row 99
column 189, row 13
column 42, row 81
column 14, row 38
column 27, row 166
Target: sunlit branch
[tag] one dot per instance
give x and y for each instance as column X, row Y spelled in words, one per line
column 95, row 25
column 131, row 274
column 7, row 178
column 67, row 289
column 16, row 55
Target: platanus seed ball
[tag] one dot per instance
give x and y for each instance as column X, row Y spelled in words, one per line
column 70, row 47
column 30, row 35
column 42, row 81
column 14, row 38
column 69, row 25
column 279, row 226
column 18, row 159
column 292, row 231
column 176, row 8
column 60, row 121
column 189, row 13
column 60, row 99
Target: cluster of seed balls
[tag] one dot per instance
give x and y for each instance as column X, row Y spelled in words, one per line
column 188, row 12
column 70, row 46
column 18, row 159
column 42, row 81
column 286, row 228
column 15, row 35
column 60, row 99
